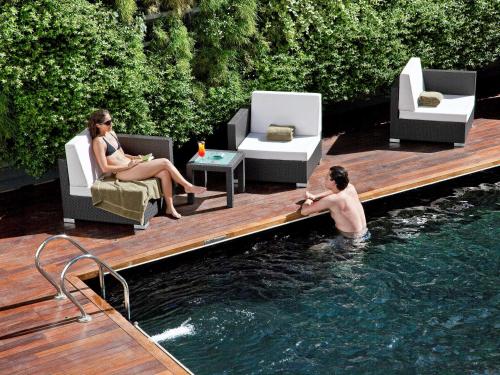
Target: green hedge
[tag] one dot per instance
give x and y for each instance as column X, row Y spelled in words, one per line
column 356, row 48
column 60, row 59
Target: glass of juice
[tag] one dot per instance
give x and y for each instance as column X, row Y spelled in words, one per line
column 201, row 149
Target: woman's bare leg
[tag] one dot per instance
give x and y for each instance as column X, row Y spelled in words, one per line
column 166, row 184
column 152, row 168
column 177, row 177
column 141, row 171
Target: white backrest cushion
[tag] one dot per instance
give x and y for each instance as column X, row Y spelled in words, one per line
column 82, row 166
column 302, row 110
column 411, row 85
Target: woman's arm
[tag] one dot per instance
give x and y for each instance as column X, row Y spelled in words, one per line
column 133, row 157
column 100, row 156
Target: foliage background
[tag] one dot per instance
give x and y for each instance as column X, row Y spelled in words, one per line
column 185, row 73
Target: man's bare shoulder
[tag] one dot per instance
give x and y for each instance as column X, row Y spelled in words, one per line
column 351, row 189
column 332, row 198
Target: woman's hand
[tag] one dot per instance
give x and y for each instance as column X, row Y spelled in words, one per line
column 133, row 162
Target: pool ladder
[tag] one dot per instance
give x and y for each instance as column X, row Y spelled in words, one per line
column 62, row 292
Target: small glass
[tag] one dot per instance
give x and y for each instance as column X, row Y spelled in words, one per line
column 201, row 149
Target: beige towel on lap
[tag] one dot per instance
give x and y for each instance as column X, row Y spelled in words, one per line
column 430, row 99
column 280, row 133
column 125, row 198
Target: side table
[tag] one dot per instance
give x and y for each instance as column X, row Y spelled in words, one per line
column 219, row 161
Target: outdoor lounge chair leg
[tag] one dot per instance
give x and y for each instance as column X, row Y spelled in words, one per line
column 299, row 185
column 141, row 227
column 68, row 220
column 394, row 140
column 458, row 144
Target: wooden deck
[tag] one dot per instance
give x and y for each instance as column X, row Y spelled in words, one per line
column 41, row 335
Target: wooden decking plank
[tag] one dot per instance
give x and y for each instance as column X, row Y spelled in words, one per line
column 126, row 327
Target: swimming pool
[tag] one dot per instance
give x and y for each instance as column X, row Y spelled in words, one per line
column 423, row 296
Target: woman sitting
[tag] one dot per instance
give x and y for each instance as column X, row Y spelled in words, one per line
column 112, row 159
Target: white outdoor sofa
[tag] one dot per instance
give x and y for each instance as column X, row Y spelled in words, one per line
column 288, row 162
column 80, row 170
column 449, row 122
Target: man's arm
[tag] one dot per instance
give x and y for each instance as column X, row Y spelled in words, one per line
column 310, row 207
column 318, row 196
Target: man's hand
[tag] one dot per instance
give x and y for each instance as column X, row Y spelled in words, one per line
column 310, row 196
column 305, row 207
column 308, row 202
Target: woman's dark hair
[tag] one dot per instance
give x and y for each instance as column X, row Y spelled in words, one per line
column 95, row 118
column 339, row 175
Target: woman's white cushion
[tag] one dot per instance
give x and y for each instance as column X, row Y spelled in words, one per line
column 82, row 166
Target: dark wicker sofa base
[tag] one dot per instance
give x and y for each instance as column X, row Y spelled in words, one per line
column 285, row 171
column 448, row 82
column 81, row 208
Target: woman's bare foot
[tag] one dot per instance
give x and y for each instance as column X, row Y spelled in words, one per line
column 172, row 212
column 195, row 189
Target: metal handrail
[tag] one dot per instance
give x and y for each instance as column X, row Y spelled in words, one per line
column 60, row 294
column 85, row 317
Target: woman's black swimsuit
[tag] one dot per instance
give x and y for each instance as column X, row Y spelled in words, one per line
column 110, row 149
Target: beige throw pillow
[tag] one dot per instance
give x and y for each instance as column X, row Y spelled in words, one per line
column 430, row 99
column 280, row 133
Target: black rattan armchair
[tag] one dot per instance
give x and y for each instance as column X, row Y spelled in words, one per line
column 79, row 205
column 449, row 122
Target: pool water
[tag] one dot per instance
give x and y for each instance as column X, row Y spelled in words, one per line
column 421, row 296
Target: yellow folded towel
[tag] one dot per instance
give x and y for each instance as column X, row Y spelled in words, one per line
column 280, row 133
column 430, row 99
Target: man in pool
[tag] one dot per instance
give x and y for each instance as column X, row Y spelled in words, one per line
column 342, row 200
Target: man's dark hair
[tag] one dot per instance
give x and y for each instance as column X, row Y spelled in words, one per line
column 339, row 175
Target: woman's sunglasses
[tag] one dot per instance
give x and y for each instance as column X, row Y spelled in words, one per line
column 108, row 123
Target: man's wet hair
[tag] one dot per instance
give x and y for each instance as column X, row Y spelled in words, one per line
column 340, row 176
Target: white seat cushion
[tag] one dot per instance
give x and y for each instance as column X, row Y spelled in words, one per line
column 302, row 110
column 411, row 85
column 81, row 191
column 300, row 148
column 82, row 167
column 453, row 108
